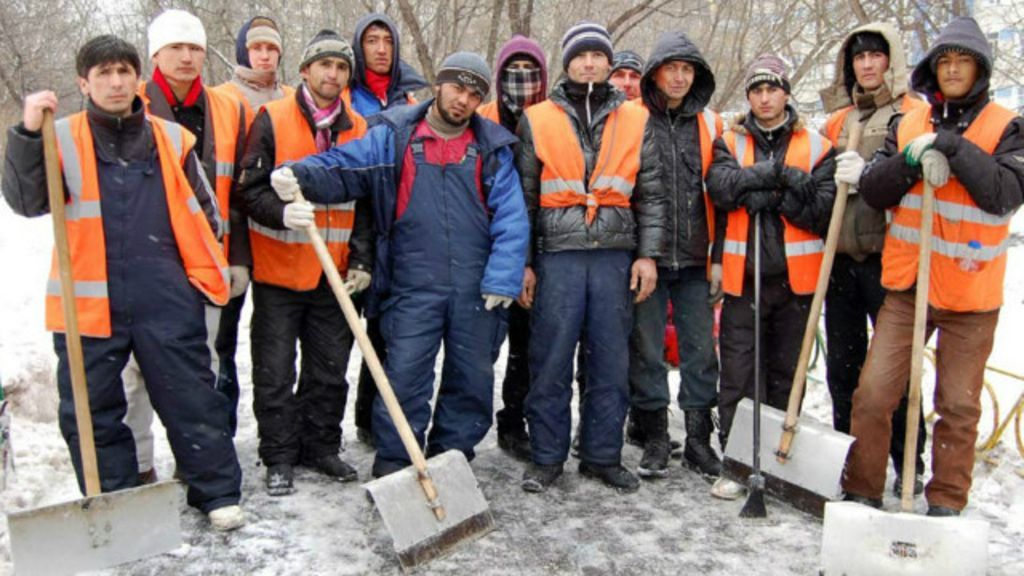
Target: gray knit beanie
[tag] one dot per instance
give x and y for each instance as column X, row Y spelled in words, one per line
column 467, row 69
column 327, row 43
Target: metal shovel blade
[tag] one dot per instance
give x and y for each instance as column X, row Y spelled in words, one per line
column 417, row 534
column 98, row 532
column 858, row 540
column 812, row 474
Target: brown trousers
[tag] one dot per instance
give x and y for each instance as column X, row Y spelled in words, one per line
column 964, row 343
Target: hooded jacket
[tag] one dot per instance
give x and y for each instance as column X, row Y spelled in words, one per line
column 517, row 47
column 995, row 182
column 250, row 87
column 640, row 228
column 678, row 142
column 804, row 199
column 404, row 79
column 863, row 230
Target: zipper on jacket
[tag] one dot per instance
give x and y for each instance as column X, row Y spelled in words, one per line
column 675, row 191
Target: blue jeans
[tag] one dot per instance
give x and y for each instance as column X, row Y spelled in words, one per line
column 694, row 320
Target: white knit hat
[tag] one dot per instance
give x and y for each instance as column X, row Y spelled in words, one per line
column 175, row 27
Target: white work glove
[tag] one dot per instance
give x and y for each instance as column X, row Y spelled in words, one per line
column 285, row 184
column 357, row 281
column 298, row 215
column 239, row 280
column 913, row 151
column 935, row 168
column 715, row 292
column 849, row 167
column 491, row 301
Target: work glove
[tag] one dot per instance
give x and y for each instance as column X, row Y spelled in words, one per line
column 285, row 184
column 760, row 201
column 298, row 215
column 715, row 292
column 935, row 168
column 357, row 281
column 492, row 301
column 913, row 151
column 849, row 167
column 239, row 280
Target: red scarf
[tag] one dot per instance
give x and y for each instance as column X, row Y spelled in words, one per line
column 378, row 84
column 193, row 93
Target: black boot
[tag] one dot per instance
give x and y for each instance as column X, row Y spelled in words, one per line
column 615, row 476
column 515, row 441
column 538, row 477
column 635, row 434
column 654, row 462
column 280, row 479
column 698, row 454
column 331, row 465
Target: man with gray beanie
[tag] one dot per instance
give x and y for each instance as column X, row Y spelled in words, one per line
column 971, row 152
column 450, row 251
column 292, row 301
column 597, row 228
column 774, row 177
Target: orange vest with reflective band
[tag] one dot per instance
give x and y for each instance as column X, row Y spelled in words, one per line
column 225, row 114
column 231, row 89
column 709, row 126
column 205, row 265
column 618, row 161
column 804, row 250
column 286, row 258
column 490, row 111
column 957, row 222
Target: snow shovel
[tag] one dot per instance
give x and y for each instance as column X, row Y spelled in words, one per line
column 809, row 473
column 428, row 510
column 858, row 539
column 100, row 530
column 754, row 506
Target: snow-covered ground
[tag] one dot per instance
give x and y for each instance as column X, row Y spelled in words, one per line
column 669, row 527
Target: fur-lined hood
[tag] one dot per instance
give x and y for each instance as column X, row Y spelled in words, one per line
column 738, row 123
column 839, row 94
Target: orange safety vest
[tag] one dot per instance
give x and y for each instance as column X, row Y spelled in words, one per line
column 225, row 113
column 490, row 111
column 231, row 89
column 804, row 250
column 286, row 258
column 834, row 124
column 957, row 222
column 618, row 161
column 205, row 265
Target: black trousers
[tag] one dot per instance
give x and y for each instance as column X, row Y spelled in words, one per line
column 855, row 294
column 303, row 420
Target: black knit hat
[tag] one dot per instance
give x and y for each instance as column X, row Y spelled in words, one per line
column 866, row 42
column 325, row 44
column 629, row 60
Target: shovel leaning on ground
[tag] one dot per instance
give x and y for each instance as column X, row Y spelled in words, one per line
column 428, row 510
column 100, row 530
column 807, row 469
column 860, row 540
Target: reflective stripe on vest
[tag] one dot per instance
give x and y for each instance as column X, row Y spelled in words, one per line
column 804, row 250
column 285, row 258
column 203, row 261
column 563, row 173
column 958, row 221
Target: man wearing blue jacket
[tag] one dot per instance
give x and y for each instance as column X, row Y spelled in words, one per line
column 451, row 250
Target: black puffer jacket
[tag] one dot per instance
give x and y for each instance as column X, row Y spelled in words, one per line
column 804, row 199
column 641, row 228
column 678, row 141
column 995, row 182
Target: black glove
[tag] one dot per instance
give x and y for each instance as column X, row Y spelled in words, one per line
column 794, row 180
column 761, row 176
column 760, row 201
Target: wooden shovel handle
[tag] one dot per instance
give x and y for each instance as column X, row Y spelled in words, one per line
column 917, row 350
column 373, row 362
column 79, row 389
column 796, row 393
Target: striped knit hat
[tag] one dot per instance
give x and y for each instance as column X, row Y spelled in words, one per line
column 582, row 36
column 767, row 69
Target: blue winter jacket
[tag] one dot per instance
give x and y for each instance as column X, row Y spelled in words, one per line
column 372, row 166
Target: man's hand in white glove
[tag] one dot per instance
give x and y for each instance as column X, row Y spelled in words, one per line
column 914, row 151
column 298, row 215
column 239, row 280
column 284, row 183
column 491, row 301
column 935, row 168
column 357, row 281
column 849, row 167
